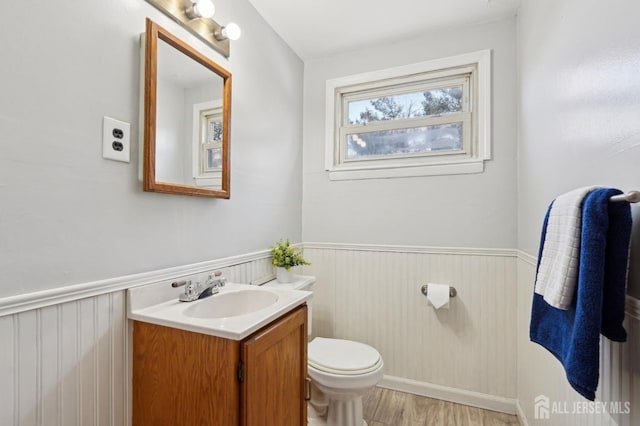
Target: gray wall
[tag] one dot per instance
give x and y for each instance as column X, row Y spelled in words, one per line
column 476, row 210
column 68, row 216
column 579, row 108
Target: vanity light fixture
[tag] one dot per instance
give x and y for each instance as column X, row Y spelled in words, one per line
column 195, row 16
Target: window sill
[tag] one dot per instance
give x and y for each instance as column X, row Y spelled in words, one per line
column 386, row 172
column 207, row 182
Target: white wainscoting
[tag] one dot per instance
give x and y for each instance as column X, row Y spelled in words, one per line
column 63, row 357
column 64, row 352
column 372, row 294
column 65, row 364
column 539, row 373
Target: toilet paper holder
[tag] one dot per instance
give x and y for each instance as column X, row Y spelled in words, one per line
column 452, row 290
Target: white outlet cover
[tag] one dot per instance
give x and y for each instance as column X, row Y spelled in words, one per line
column 118, row 132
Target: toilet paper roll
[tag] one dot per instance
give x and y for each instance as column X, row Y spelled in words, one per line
column 438, row 295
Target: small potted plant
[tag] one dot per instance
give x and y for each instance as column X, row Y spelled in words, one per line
column 284, row 258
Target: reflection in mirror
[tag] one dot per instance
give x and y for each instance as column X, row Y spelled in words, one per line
column 187, row 110
column 189, row 121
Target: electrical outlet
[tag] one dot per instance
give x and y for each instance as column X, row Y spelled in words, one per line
column 115, row 139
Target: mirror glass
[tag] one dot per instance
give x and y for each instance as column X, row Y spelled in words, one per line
column 187, row 115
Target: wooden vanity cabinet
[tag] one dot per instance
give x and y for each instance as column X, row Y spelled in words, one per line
column 186, row 378
column 275, row 363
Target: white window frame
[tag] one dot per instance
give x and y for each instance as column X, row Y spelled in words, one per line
column 477, row 116
column 200, row 175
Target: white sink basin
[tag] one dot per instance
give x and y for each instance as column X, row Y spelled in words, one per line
column 231, row 304
column 234, row 313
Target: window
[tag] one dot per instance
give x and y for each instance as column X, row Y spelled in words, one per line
column 421, row 119
column 211, row 141
column 207, row 143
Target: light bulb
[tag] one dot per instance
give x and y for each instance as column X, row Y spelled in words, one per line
column 204, row 8
column 201, row 9
column 232, row 31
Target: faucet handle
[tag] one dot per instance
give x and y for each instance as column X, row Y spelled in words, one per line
column 189, row 289
column 217, row 276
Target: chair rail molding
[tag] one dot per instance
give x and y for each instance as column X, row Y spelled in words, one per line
column 390, row 248
column 40, row 299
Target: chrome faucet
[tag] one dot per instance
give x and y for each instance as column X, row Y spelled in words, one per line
column 200, row 291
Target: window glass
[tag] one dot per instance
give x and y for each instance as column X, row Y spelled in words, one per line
column 214, row 128
column 412, row 141
column 214, row 159
column 407, row 105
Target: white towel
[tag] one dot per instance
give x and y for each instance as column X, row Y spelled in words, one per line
column 558, row 271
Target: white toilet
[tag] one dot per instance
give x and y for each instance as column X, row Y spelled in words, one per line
column 341, row 371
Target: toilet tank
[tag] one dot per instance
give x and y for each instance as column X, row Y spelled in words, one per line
column 300, row 282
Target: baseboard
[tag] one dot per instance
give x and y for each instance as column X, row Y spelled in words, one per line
column 459, row 396
column 520, row 413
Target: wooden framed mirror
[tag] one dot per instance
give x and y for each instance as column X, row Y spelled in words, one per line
column 187, row 116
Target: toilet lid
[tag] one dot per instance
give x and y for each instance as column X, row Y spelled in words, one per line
column 342, row 356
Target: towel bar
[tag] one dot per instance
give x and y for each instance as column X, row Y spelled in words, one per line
column 452, row 290
column 630, row 197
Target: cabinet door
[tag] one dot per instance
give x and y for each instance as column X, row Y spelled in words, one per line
column 182, row 378
column 275, row 369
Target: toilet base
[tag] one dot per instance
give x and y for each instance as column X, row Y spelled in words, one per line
column 314, row 419
column 343, row 410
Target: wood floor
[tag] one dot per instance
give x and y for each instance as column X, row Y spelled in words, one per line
column 384, row 407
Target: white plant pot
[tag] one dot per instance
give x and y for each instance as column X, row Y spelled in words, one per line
column 283, row 276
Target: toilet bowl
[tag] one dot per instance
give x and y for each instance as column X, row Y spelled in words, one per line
column 341, row 372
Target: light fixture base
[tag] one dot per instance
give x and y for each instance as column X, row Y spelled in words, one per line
column 203, row 28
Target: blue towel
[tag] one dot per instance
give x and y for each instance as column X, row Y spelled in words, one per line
column 573, row 335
